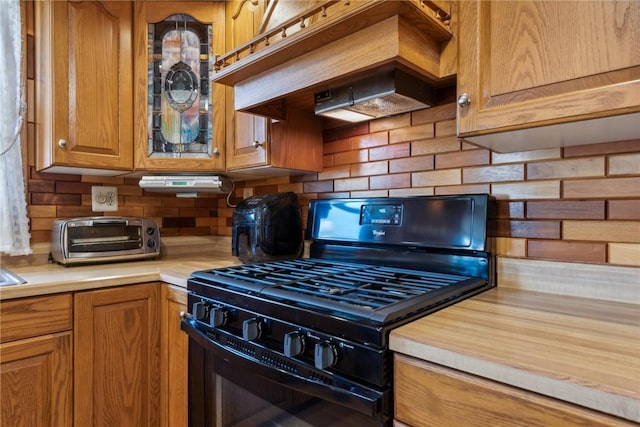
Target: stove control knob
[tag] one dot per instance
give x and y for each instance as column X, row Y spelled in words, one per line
column 200, row 310
column 251, row 329
column 218, row 316
column 325, row 355
column 293, row 344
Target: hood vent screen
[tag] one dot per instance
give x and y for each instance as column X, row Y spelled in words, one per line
column 386, row 94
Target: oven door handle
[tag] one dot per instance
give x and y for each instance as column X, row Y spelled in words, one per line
column 357, row 397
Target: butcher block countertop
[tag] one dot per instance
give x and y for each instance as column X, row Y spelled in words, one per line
column 580, row 350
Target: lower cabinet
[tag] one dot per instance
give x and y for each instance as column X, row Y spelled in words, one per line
column 130, row 357
column 107, row 357
column 117, row 356
column 36, row 362
column 174, row 358
column 427, row 394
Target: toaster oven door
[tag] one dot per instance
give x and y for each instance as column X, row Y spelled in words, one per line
column 105, row 236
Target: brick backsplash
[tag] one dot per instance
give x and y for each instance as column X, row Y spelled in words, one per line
column 573, row 204
column 52, row 196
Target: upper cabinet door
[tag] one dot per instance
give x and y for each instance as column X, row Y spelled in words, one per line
column 524, row 64
column 179, row 114
column 248, row 146
column 84, row 86
column 247, row 133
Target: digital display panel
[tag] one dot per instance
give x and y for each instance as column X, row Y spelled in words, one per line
column 381, row 215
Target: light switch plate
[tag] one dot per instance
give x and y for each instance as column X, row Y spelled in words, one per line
column 104, row 199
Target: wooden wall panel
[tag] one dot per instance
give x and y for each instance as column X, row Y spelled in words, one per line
column 628, row 164
column 624, row 253
column 463, row 158
column 624, row 209
column 574, row 251
column 566, row 209
column 602, row 149
column 599, row 188
column 604, row 231
column 513, row 172
column 566, row 168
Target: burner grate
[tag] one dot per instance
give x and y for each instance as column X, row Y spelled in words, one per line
column 362, row 290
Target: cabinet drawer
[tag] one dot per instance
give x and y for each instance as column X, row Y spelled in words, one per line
column 429, row 394
column 30, row 317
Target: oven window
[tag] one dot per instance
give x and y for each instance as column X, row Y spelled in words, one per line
column 104, row 238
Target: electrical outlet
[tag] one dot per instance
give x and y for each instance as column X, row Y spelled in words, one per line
column 247, row 192
column 104, row 199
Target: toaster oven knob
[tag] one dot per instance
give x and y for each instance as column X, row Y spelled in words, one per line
column 200, row 310
column 251, row 329
column 150, row 231
column 218, row 316
column 293, row 344
column 325, row 355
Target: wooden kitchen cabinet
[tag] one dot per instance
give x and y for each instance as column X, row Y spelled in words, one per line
column 84, row 99
column 258, row 145
column 262, row 146
column 174, row 358
column 430, row 394
column 163, row 138
column 117, row 360
column 537, row 73
column 36, row 362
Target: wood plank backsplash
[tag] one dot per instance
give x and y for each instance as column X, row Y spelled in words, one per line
column 580, row 203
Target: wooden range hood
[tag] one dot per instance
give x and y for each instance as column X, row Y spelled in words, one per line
column 333, row 43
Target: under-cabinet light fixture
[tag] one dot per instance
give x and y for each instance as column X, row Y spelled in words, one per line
column 187, row 184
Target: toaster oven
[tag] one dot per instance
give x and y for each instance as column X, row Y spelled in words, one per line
column 104, row 239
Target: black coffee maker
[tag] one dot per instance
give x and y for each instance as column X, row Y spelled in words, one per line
column 267, row 228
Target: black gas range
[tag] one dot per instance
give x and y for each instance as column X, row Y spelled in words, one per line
column 320, row 325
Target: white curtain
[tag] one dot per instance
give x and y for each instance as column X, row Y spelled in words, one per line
column 14, row 223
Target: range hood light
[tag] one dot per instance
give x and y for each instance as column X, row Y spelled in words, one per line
column 346, row 115
column 393, row 92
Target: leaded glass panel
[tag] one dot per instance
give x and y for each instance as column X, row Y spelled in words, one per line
column 179, row 102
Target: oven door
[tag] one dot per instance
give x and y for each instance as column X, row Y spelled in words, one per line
column 228, row 388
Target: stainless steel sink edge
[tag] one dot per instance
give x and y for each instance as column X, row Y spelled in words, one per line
column 9, row 278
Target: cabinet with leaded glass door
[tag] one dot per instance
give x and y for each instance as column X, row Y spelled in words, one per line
column 178, row 114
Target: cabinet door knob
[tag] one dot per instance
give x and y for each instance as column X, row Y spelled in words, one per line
column 257, row 144
column 62, row 143
column 216, row 151
column 463, row 100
